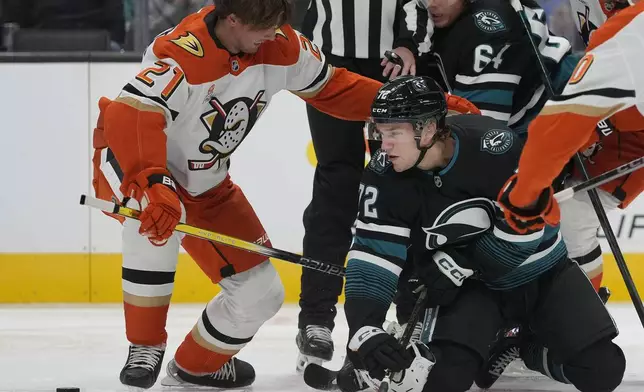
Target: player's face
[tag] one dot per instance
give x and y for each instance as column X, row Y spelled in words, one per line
column 399, row 144
column 445, row 12
column 249, row 38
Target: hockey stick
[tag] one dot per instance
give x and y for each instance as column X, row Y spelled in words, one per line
column 601, row 179
column 318, row 377
column 326, row 268
column 441, row 69
column 592, row 193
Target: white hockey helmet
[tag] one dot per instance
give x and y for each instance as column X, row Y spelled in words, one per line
column 414, row 377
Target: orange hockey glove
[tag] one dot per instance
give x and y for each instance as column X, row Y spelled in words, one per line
column 526, row 220
column 460, row 105
column 161, row 208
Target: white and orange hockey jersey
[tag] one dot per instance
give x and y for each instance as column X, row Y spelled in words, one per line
column 193, row 102
column 608, row 83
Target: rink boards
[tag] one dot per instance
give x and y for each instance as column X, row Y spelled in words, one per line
column 54, row 250
column 26, row 278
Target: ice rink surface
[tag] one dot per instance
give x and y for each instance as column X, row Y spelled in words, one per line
column 44, row 347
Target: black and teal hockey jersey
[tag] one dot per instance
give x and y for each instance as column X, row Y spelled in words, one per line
column 489, row 59
column 415, row 213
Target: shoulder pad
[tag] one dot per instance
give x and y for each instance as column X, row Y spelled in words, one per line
column 497, row 141
column 379, row 162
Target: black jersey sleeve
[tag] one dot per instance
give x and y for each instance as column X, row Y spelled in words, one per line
column 387, row 210
column 410, row 25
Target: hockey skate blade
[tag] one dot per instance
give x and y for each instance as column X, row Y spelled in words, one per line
column 321, row 378
column 172, row 384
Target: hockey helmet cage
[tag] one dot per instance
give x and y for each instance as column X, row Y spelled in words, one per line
column 415, row 376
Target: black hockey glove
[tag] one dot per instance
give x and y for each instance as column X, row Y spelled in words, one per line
column 442, row 276
column 376, row 351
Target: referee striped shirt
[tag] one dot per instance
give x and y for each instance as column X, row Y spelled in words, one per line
column 361, row 28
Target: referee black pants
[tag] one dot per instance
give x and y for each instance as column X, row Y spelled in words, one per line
column 340, row 149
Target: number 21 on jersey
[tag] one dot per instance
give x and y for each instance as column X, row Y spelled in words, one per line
column 161, row 69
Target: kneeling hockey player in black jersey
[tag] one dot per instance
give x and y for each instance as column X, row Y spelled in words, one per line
column 426, row 202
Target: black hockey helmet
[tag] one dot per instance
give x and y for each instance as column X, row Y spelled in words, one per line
column 408, row 99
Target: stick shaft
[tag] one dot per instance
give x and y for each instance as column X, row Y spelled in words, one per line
column 221, row 238
column 601, row 179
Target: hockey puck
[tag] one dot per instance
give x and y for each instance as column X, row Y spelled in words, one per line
column 72, row 389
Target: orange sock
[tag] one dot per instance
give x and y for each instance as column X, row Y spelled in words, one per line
column 146, row 325
column 199, row 358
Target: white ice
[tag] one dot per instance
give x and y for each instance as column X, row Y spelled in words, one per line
column 44, row 347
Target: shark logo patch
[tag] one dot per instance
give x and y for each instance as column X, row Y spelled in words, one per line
column 497, row 141
column 489, row 21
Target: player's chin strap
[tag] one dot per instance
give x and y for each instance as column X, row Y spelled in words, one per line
column 423, row 150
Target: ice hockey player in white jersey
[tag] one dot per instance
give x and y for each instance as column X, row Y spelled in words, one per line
column 164, row 145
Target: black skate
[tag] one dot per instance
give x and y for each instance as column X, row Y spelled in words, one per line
column 315, row 345
column 233, row 374
column 505, row 350
column 142, row 366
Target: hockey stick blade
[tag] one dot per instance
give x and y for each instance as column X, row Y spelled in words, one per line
column 208, row 235
column 321, row 378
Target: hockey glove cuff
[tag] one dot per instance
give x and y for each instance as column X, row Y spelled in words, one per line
column 460, row 105
column 442, row 277
column 160, row 204
column 377, row 351
column 526, row 220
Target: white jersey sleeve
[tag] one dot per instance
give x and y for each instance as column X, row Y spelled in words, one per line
column 609, row 78
column 160, row 83
column 311, row 72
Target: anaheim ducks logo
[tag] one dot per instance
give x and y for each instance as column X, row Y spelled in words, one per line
column 189, row 43
column 228, row 124
column 279, row 32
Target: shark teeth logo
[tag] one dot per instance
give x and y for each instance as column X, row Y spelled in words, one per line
column 189, row 43
column 227, row 125
column 460, row 222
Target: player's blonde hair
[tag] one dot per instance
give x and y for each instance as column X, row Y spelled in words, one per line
column 261, row 14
